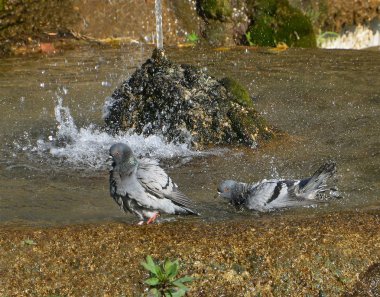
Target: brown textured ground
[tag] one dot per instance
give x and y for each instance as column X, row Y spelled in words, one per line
column 284, row 257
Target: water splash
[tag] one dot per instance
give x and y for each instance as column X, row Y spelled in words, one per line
column 273, row 169
column 362, row 37
column 87, row 147
column 67, row 130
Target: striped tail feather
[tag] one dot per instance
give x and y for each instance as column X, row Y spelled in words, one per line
column 317, row 182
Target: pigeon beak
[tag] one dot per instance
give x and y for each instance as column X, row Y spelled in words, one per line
column 217, row 195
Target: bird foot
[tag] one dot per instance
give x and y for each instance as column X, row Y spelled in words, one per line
column 153, row 218
column 140, row 223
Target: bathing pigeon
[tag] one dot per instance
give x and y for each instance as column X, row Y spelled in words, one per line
column 273, row 194
column 142, row 187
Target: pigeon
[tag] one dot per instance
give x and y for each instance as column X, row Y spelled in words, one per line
column 143, row 188
column 268, row 195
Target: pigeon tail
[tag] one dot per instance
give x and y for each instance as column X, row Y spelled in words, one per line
column 317, row 182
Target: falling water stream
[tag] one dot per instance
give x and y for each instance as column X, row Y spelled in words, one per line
column 53, row 148
column 159, row 32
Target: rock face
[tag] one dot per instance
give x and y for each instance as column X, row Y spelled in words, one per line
column 184, row 104
column 275, row 21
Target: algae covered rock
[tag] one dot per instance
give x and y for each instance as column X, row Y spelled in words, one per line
column 275, row 21
column 225, row 21
column 216, row 9
column 184, row 104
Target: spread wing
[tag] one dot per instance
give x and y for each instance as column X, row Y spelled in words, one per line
column 156, row 182
column 276, row 194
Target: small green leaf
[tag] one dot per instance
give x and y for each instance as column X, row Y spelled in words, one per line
column 185, row 279
column 160, row 274
column 192, row 38
column 153, row 281
column 171, row 268
column 167, row 264
column 149, row 261
column 150, row 265
column 154, row 292
column 180, row 285
column 147, row 267
column 177, row 293
column 29, row 242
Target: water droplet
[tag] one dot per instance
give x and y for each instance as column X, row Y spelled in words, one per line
column 106, row 84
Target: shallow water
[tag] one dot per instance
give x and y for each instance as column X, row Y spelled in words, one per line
column 54, row 172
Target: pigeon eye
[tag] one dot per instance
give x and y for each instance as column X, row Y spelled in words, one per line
column 226, row 190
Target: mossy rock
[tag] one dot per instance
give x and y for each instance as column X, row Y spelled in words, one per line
column 219, row 33
column 239, row 94
column 184, row 104
column 216, row 9
column 275, row 21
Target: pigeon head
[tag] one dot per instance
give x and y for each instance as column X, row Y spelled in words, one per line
column 226, row 189
column 122, row 157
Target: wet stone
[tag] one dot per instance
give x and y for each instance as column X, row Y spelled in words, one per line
column 184, row 104
column 320, row 255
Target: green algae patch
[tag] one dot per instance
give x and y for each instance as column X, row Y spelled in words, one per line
column 216, row 9
column 239, row 93
column 276, row 21
column 261, row 256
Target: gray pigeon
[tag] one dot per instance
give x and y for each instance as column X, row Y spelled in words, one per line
column 143, row 188
column 273, row 194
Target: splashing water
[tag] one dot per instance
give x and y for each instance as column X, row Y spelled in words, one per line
column 362, row 37
column 88, row 147
column 273, row 169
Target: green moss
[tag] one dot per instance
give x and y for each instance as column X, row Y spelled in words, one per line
column 216, row 9
column 239, row 93
column 276, row 21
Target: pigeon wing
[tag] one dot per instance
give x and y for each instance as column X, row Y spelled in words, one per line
column 260, row 194
column 156, row 182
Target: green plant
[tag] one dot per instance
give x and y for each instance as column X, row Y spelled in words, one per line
column 28, row 242
column 192, row 38
column 162, row 280
column 248, row 37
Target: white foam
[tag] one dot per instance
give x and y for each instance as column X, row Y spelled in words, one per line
column 87, row 147
column 362, row 37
